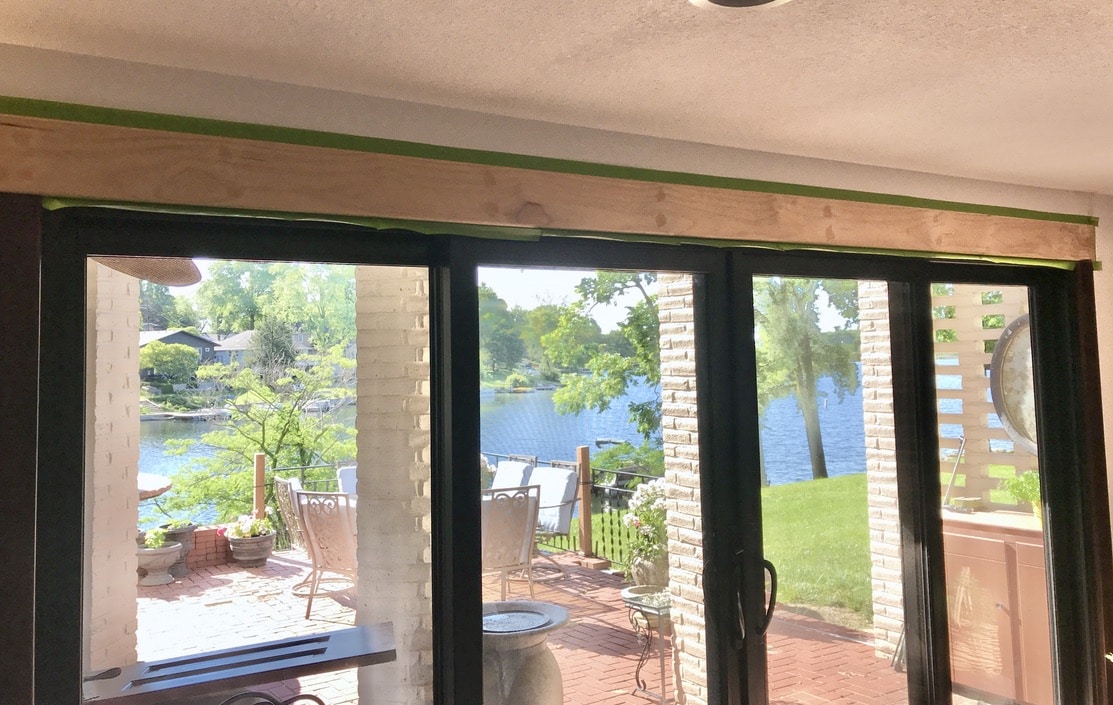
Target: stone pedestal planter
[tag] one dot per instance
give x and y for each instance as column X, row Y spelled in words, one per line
column 184, row 536
column 156, row 562
column 654, row 571
column 252, row 551
column 518, row 668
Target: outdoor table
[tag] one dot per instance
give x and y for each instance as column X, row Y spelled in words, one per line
column 151, row 485
column 651, row 604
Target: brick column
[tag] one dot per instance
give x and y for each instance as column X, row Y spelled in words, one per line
column 111, row 467
column 393, row 458
column 679, row 428
column 881, row 464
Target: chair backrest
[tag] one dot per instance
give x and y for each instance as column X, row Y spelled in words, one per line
column 346, row 479
column 511, row 473
column 508, row 523
column 330, row 529
column 286, row 493
column 558, row 498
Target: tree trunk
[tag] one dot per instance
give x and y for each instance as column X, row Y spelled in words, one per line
column 809, row 407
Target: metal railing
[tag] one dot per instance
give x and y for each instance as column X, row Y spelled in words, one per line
column 610, row 491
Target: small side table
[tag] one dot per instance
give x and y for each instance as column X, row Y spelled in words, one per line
column 649, row 613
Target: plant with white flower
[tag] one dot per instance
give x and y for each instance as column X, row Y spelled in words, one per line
column 646, row 515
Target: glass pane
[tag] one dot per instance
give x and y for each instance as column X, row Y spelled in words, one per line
column 589, row 398
column 992, row 530
column 274, row 420
column 829, row 507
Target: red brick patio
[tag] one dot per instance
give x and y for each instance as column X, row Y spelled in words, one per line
column 224, row 606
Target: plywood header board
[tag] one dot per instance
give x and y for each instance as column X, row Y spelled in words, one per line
column 52, row 157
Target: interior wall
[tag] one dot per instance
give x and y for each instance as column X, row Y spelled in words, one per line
column 1103, row 290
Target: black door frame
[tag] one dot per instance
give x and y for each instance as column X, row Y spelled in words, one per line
column 1076, row 517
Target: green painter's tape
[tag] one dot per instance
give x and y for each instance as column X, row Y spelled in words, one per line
column 269, row 133
column 529, row 234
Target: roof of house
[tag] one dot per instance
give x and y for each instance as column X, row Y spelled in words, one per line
column 147, row 336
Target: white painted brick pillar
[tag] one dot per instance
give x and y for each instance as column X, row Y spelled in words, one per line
column 881, row 465
column 679, row 428
column 393, row 457
column 111, row 467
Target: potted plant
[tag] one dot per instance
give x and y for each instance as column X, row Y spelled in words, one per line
column 251, row 541
column 156, row 555
column 180, row 530
column 1026, row 488
column 649, row 558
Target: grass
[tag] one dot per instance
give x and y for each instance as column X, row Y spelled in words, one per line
column 817, row 535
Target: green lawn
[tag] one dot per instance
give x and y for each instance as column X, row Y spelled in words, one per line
column 817, row 535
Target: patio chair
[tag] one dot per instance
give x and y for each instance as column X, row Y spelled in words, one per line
column 285, row 492
column 330, row 532
column 511, row 473
column 346, row 479
column 508, row 525
column 558, row 499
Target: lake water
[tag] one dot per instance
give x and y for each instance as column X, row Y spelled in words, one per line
column 527, row 424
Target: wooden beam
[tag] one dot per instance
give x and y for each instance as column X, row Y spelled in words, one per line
column 62, row 158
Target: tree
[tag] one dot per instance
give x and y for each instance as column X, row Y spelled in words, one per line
column 272, row 348
column 184, row 315
column 156, row 306
column 233, row 294
column 177, row 362
column 501, row 347
column 535, row 324
column 577, row 344
column 793, row 353
column 270, row 418
column 317, row 299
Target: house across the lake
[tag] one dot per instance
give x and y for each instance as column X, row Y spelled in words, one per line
column 205, row 347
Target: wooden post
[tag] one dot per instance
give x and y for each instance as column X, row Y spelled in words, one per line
column 260, row 485
column 583, row 459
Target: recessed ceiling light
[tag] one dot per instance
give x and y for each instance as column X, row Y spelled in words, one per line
column 737, row 3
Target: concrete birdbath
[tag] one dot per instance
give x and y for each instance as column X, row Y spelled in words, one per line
column 518, row 668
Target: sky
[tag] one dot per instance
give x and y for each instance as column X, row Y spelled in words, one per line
column 529, row 288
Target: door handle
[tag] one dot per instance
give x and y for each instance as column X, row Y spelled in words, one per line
column 772, row 604
column 739, row 613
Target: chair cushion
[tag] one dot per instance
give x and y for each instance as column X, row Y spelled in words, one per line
column 558, row 498
column 511, row 473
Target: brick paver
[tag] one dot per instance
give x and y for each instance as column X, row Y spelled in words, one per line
column 811, row 662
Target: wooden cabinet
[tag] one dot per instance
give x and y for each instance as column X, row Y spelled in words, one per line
column 997, row 607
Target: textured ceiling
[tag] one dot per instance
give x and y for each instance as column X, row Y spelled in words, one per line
column 1017, row 92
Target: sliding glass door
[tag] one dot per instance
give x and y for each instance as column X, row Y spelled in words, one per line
column 569, row 470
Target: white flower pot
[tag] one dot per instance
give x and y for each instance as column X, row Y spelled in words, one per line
column 157, row 562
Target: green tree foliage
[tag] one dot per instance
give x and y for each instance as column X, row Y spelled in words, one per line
column 233, row 294
column 184, row 315
column 177, row 362
column 156, row 306
column 501, row 347
column 536, row 323
column 272, row 348
column 607, row 372
column 793, row 353
column 272, row 419
column 317, row 299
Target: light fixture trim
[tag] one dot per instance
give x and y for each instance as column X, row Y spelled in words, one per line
column 709, row 4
